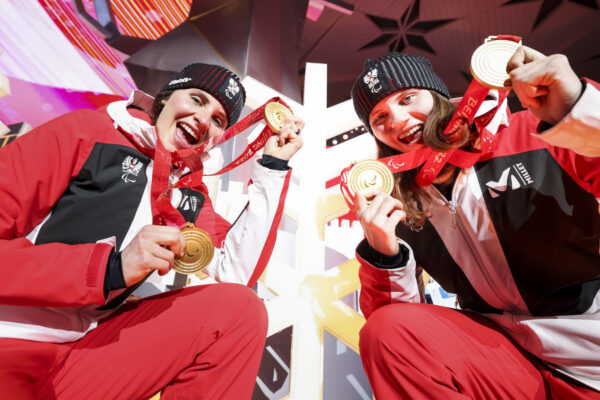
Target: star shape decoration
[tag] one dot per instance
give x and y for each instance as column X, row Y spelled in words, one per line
column 548, row 7
column 407, row 31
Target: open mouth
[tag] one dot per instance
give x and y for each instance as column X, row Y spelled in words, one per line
column 413, row 135
column 191, row 136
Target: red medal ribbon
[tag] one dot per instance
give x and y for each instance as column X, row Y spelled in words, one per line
column 463, row 115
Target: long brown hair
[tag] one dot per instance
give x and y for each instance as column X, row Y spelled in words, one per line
column 414, row 198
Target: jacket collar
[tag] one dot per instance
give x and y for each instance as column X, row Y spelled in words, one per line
column 138, row 129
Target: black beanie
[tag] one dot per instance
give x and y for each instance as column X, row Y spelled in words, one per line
column 389, row 73
column 220, row 82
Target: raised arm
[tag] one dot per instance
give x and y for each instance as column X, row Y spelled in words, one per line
column 249, row 243
column 387, row 271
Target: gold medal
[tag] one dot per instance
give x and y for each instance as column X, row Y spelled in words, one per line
column 275, row 114
column 370, row 174
column 199, row 250
column 489, row 61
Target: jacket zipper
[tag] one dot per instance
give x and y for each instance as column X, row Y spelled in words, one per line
column 452, row 206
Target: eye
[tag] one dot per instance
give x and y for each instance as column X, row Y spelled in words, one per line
column 378, row 119
column 409, row 98
column 197, row 100
column 219, row 122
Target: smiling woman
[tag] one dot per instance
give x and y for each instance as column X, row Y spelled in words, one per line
column 100, row 202
column 529, row 296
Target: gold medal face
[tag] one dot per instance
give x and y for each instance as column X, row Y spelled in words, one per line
column 199, row 251
column 275, row 114
column 488, row 63
column 371, row 174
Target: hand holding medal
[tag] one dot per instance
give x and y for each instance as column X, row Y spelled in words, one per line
column 367, row 188
column 153, row 248
column 378, row 218
column 198, row 253
column 369, row 175
column 287, row 127
column 546, row 85
column 276, row 114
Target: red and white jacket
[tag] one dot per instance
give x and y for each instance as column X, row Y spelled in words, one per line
column 518, row 241
column 74, row 189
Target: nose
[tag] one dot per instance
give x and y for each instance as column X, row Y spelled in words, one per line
column 202, row 120
column 399, row 119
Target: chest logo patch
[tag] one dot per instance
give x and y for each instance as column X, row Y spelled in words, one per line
column 131, row 169
column 515, row 176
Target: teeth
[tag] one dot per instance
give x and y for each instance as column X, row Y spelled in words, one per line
column 412, row 130
column 190, row 131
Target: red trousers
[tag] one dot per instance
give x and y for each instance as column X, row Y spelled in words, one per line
column 203, row 342
column 421, row 351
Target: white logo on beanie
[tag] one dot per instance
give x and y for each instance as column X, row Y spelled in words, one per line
column 232, row 89
column 372, row 81
column 180, row 80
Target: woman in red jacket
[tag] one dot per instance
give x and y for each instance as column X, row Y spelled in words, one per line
column 516, row 236
column 82, row 225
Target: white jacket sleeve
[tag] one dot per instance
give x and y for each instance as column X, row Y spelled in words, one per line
column 580, row 129
column 249, row 243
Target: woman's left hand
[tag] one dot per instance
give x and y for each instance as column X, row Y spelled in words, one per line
column 288, row 141
column 547, row 86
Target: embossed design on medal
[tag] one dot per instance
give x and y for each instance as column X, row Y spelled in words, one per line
column 199, row 250
column 275, row 114
column 488, row 63
column 371, row 174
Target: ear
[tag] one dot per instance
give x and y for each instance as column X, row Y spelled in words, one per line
column 163, row 102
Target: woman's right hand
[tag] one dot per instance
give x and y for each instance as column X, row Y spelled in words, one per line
column 379, row 219
column 288, row 141
column 153, row 248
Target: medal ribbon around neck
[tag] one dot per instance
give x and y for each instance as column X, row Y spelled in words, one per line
column 433, row 160
column 199, row 249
